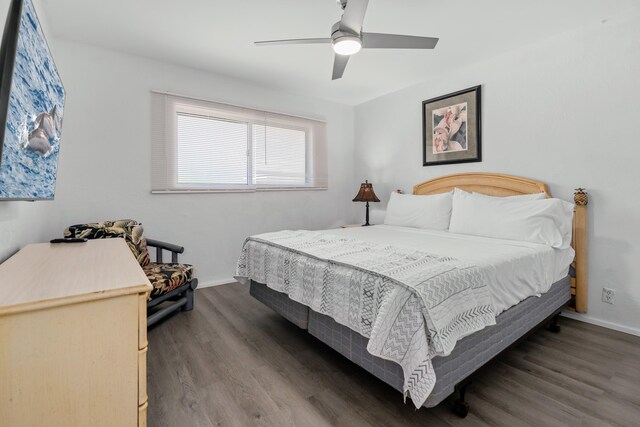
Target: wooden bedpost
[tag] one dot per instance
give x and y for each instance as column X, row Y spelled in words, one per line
column 580, row 282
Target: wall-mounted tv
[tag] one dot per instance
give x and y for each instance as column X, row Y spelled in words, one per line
column 31, row 108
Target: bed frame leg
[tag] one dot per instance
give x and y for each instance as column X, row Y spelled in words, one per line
column 460, row 406
column 553, row 324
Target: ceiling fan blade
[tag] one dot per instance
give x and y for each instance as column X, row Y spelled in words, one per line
column 353, row 16
column 397, row 41
column 293, row 41
column 339, row 64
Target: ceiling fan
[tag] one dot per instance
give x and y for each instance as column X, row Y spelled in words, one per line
column 347, row 37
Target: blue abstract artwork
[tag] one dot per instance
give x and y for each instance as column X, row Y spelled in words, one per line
column 29, row 163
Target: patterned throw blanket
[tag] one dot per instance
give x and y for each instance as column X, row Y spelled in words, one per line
column 411, row 305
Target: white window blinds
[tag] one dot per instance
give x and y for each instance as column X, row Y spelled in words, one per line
column 205, row 146
column 279, row 155
column 211, row 151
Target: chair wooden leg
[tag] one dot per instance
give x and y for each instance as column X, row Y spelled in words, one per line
column 189, row 305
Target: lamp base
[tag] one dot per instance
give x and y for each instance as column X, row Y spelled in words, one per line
column 366, row 217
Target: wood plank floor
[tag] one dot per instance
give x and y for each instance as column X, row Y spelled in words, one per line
column 234, row 362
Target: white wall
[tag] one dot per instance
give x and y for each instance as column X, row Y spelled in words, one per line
column 564, row 111
column 104, row 169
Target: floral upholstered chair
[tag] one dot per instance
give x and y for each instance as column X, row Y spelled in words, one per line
column 173, row 283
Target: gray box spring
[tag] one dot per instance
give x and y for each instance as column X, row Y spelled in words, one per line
column 470, row 353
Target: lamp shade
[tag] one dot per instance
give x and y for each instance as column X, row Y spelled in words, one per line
column 366, row 193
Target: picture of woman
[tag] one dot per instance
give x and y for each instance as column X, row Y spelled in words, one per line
column 450, row 129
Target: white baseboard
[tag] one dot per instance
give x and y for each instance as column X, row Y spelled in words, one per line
column 216, row 283
column 609, row 325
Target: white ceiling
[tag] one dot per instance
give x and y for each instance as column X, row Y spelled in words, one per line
column 217, row 36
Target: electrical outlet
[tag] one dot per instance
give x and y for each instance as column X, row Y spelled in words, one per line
column 608, row 295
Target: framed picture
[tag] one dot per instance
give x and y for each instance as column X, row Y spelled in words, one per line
column 451, row 128
column 31, row 108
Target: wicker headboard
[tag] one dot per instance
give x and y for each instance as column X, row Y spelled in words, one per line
column 500, row 185
column 490, row 184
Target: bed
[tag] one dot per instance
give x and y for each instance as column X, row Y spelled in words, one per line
column 405, row 332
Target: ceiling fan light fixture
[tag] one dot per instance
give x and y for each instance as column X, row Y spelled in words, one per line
column 347, row 45
column 347, row 37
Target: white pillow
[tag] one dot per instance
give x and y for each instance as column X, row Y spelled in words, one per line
column 432, row 212
column 547, row 221
column 516, row 198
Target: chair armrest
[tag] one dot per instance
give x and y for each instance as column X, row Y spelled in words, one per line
column 164, row 245
column 159, row 245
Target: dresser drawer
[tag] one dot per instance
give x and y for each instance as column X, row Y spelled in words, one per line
column 49, row 379
column 142, row 321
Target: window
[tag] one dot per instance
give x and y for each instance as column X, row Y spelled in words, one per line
column 205, row 146
column 211, row 151
column 278, row 155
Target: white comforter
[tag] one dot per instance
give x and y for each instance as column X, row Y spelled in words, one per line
column 517, row 270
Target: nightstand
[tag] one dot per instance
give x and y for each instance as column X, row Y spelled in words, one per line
column 350, row 225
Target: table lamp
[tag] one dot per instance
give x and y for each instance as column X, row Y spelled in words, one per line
column 366, row 194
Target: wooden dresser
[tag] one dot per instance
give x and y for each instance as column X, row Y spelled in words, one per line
column 73, row 336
